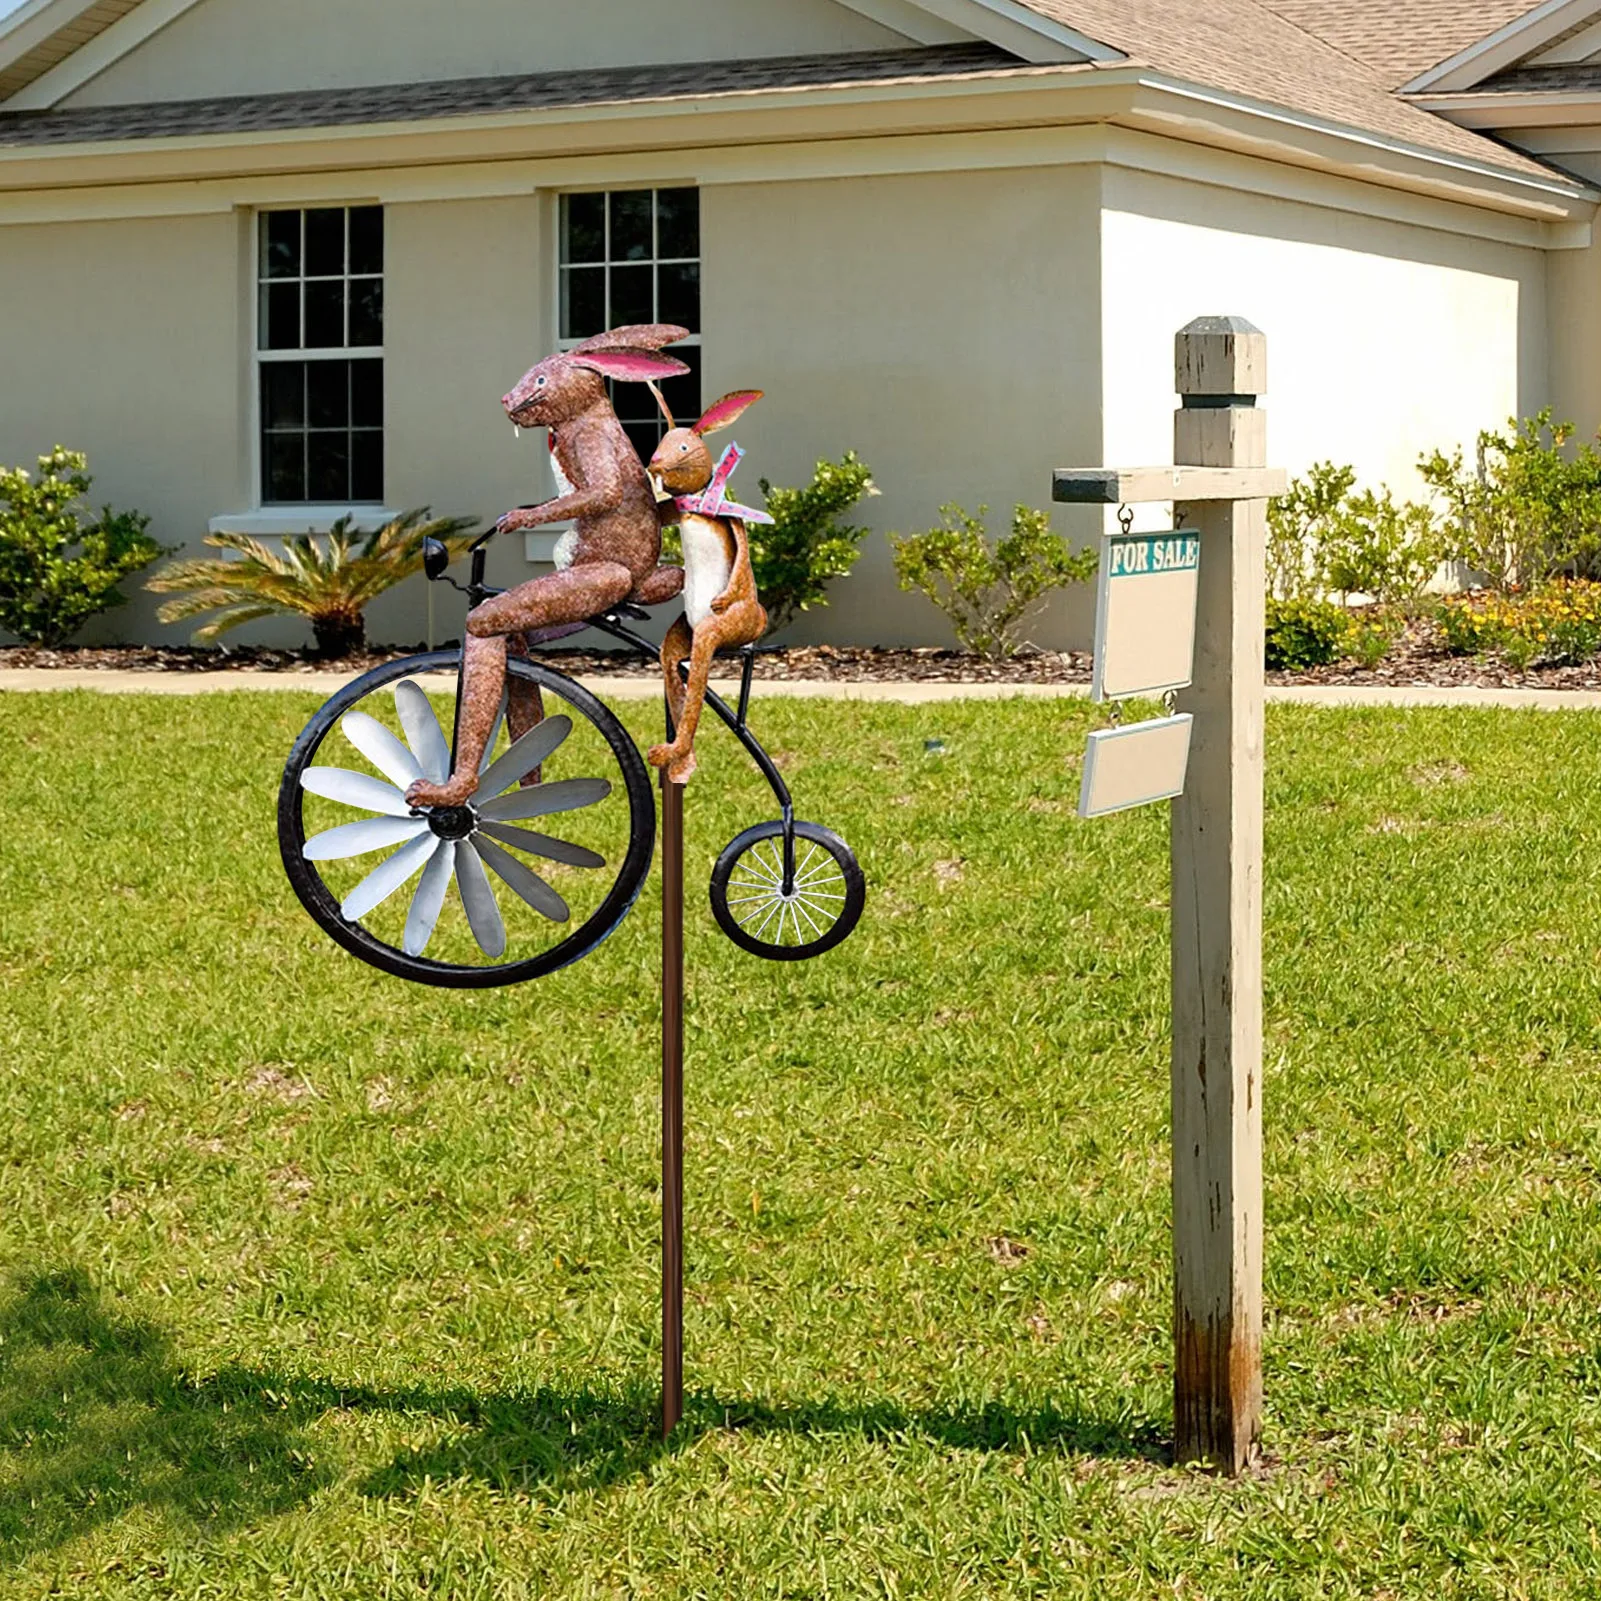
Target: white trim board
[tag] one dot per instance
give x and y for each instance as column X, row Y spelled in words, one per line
column 89, row 60
column 1518, row 40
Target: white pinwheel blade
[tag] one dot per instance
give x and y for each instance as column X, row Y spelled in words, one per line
column 429, row 899
column 523, row 755
column 356, row 839
column 494, row 738
column 529, row 885
column 567, row 795
column 355, row 789
column 388, row 876
column 554, row 850
column 381, row 748
column 478, row 901
column 423, row 733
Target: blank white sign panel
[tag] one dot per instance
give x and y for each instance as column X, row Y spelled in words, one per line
column 1145, row 613
column 1134, row 764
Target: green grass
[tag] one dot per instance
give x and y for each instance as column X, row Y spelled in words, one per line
column 313, row 1283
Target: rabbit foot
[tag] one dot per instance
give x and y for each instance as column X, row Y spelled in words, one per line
column 456, row 791
column 679, row 764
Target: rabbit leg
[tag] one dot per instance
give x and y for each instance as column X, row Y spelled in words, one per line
column 675, row 651
column 569, row 596
column 525, row 705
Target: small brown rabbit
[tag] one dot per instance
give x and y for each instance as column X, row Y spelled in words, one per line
column 720, row 604
column 616, row 520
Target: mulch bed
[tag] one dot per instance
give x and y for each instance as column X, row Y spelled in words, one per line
column 1415, row 662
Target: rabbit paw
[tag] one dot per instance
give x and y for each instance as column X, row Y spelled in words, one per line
column 660, row 755
column 454, row 792
column 679, row 772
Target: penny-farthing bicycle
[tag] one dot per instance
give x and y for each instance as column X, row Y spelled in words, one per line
column 550, row 852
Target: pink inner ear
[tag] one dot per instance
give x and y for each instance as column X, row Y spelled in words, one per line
column 633, row 366
column 722, row 412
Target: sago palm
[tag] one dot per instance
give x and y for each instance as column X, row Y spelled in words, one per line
column 328, row 583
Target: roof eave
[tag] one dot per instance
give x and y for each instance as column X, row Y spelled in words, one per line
column 1128, row 96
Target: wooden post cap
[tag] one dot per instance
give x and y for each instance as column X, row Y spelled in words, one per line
column 1220, row 361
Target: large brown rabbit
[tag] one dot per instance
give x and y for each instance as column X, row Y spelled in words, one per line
column 616, row 521
column 721, row 608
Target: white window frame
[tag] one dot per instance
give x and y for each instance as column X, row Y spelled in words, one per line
column 298, row 517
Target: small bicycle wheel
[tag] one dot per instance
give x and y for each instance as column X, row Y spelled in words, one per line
column 822, row 906
column 576, row 770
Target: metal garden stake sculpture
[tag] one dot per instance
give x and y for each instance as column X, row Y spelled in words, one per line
column 616, row 520
column 720, row 604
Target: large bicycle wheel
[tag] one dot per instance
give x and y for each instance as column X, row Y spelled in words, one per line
column 377, row 874
column 819, row 909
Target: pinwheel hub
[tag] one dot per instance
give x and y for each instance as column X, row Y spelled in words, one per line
column 452, row 822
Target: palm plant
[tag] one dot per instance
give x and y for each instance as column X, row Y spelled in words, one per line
column 328, row 584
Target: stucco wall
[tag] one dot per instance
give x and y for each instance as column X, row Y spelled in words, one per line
column 124, row 339
column 1384, row 340
column 944, row 326
column 229, row 47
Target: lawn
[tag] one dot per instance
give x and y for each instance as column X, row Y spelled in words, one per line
column 313, row 1283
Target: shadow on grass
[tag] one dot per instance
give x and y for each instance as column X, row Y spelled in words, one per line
column 97, row 1419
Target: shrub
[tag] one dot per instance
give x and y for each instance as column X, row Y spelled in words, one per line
column 55, row 572
column 329, row 585
column 1324, row 538
column 806, row 545
column 1527, row 510
column 1559, row 623
column 988, row 591
column 1297, row 527
column 1304, row 633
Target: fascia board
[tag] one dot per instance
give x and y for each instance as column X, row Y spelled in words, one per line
column 1540, row 108
column 1520, row 38
column 1009, row 24
column 89, row 60
column 1128, row 96
column 34, row 22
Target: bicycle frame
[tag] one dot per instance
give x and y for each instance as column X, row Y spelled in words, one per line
column 611, row 622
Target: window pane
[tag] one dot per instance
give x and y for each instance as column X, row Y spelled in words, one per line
column 280, row 316
column 325, row 243
column 678, row 295
column 677, row 223
column 367, row 464
column 325, row 315
column 366, row 311
column 643, row 436
column 683, row 394
column 280, row 244
column 283, row 467
column 632, row 295
column 367, row 394
column 630, row 226
column 367, row 239
column 328, row 394
column 328, row 466
column 283, row 394
column 583, row 228
column 583, row 301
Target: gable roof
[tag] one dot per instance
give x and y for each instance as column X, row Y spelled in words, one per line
column 1330, row 64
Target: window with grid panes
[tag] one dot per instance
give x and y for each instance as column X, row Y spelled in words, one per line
column 319, row 353
column 633, row 255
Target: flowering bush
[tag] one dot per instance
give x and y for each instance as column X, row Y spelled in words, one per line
column 1559, row 623
column 55, row 571
column 1304, row 633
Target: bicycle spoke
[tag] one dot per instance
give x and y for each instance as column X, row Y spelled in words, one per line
column 799, row 913
column 429, row 899
column 523, row 756
column 388, row 876
column 567, row 795
column 478, row 901
column 554, row 850
column 356, row 839
column 423, row 733
column 355, row 789
column 523, row 881
column 751, row 862
column 381, row 748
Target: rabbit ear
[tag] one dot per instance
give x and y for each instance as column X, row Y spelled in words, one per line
column 637, row 336
column 661, row 403
column 633, row 366
column 721, row 413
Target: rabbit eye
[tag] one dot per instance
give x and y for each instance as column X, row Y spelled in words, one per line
column 539, row 382
column 683, row 450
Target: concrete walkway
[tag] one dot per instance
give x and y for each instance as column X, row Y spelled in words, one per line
column 913, row 694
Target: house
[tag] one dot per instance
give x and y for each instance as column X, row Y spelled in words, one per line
column 266, row 260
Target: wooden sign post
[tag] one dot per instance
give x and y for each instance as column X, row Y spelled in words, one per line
column 1220, row 486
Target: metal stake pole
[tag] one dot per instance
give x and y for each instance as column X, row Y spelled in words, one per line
column 672, row 1104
